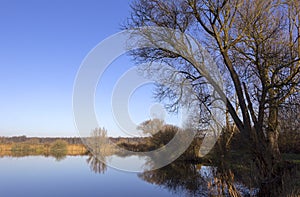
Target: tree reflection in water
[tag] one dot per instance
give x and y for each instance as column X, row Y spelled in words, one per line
column 59, row 156
column 187, row 179
column 97, row 165
column 99, row 148
column 178, row 177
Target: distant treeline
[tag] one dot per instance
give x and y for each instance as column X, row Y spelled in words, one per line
column 40, row 140
column 69, row 140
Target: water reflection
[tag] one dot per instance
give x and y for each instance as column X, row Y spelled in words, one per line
column 179, row 178
column 96, row 165
column 195, row 180
column 223, row 179
column 183, row 178
column 59, row 156
column 199, row 180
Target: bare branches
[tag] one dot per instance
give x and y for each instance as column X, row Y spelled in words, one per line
column 250, row 106
column 258, row 44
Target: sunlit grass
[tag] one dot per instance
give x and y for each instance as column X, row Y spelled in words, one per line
column 38, row 149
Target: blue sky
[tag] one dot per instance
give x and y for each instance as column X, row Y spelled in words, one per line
column 42, row 44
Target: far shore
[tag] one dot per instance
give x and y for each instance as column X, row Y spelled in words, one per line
column 19, row 146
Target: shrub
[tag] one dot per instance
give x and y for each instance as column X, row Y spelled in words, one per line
column 59, row 149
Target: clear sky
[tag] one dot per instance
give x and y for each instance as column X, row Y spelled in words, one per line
column 42, row 44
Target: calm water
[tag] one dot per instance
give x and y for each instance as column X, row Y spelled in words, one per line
column 38, row 176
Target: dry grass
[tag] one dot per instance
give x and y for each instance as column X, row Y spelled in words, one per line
column 77, row 149
column 38, row 149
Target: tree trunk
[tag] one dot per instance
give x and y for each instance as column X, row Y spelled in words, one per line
column 273, row 133
column 273, row 144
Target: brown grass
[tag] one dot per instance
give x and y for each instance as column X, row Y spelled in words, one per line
column 42, row 149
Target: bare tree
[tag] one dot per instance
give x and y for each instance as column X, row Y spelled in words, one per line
column 98, row 141
column 256, row 45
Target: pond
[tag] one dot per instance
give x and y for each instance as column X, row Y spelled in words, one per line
column 36, row 176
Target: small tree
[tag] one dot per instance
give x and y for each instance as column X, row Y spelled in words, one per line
column 98, row 141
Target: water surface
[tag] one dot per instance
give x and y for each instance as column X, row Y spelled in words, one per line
column 37, row 176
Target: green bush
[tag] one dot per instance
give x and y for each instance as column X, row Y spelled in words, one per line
column 59, row 149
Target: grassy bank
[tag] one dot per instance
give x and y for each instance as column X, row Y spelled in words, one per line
column 18, row 149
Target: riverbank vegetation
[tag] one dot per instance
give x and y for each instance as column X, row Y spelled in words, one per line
column 21, row 145
column 34, row 147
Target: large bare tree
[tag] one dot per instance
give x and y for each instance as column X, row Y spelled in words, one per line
column 256, row 46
